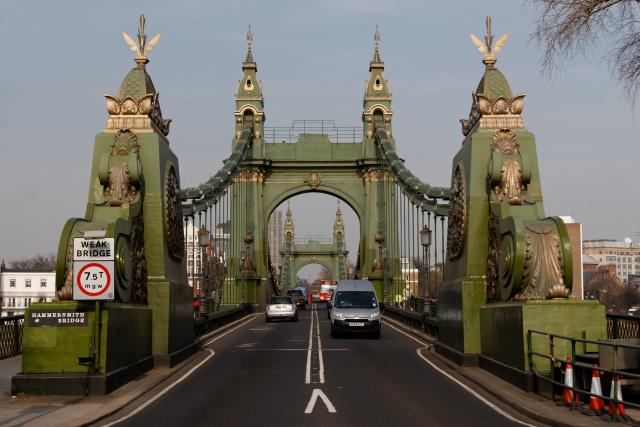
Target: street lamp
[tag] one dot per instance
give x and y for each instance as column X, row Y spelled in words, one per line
column 248, row 244
column 379, row 238
column 203, row 241
column 425, row 241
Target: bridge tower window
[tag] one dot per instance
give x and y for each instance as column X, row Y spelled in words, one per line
column 378, row 119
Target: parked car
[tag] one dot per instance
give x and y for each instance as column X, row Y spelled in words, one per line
column 281, row 308
column 354, row 309
column 298, row 298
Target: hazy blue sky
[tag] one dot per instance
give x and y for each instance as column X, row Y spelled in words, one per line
column 58, row 58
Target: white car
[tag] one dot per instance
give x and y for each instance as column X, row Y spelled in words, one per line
column 281, row 308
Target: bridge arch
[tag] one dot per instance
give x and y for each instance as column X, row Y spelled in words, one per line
column 298, row 190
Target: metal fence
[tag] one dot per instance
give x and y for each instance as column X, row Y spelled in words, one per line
column 290, row 134
column 423, row 321
column 621, row 326
column 552, row 366
column 11, row 336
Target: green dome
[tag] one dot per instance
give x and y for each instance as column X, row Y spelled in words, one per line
column 494, row 84
column 136, row 84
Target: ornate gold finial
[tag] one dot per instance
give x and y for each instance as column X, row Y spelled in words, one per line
column 488, row 48
column 142, row 47
column 376, row 39
column 249, row 59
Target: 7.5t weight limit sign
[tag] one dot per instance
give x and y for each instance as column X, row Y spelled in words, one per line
column 93, row 280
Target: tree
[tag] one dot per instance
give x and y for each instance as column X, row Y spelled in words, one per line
column 35, row 263
column 569, row 27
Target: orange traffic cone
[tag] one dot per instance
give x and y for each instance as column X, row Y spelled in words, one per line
column 596, row 403
column 617, row 389
column 567, row 395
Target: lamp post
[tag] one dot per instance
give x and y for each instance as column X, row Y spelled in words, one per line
column 425, row 241
column 379, row 238
column 203, row 241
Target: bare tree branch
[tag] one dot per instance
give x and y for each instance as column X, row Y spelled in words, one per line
column 565, row 28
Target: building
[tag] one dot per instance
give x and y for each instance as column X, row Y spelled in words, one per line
column 625, row 255
column 19, row 289
column 218, row 247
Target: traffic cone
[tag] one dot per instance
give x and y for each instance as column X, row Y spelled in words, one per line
column 567, row 395
column 615, row 386
column 596, row 403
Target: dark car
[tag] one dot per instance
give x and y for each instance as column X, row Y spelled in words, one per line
column 298, row 297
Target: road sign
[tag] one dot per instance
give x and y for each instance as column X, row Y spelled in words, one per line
column 93, row 249
column 93, row 268
column 93, row 280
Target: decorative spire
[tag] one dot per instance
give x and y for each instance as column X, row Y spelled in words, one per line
column 376, row 53
column 488, row 48
column 141, row 48
column 338, row 212
column 249, row 59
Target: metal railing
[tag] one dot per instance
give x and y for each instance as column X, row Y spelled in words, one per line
column 622, row 326
column 290, row 134
column 220, row 318
column 424, row 321
column 576, row 347
column 11, row 335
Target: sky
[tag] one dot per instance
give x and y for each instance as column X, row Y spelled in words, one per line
column 57, row 59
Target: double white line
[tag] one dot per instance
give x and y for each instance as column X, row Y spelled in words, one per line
column 314, row 319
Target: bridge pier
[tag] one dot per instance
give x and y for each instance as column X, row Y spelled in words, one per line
column 509, row 267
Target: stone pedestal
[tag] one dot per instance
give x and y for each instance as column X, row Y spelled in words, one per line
column 59, row 342
column 504, row 327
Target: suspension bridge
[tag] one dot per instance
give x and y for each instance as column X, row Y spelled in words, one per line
column 481, row 245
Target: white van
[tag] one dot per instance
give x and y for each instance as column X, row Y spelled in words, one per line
column 354, row 309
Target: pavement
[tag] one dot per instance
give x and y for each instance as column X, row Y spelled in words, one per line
column 96, row 410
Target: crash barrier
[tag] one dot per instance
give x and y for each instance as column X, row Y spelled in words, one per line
column 205, row 324
column 572, row 372
column 417, row 320
column 11, row 335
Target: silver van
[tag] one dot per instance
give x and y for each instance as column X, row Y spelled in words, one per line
column 354, row 308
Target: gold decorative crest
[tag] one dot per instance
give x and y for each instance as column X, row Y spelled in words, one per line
column 313, row 180
column 511, row 187
column 543, row 274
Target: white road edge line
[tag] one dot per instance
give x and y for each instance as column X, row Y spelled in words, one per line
column 455, row 380
column 216, row 338
column 159, row 395
column 307, row 375
column 320, row 349
column 179, row 380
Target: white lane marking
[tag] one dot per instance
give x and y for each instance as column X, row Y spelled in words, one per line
column 163, row 392
column 216, row 338
column 182, row 378
column 461, row 384
column 307, row 375
column 314, row 397
column 320, row 360
column 247, row 345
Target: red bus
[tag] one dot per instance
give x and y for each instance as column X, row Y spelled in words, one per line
column 326, row 289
